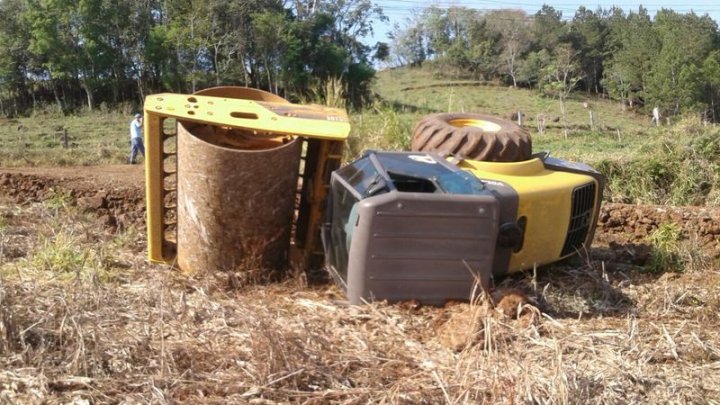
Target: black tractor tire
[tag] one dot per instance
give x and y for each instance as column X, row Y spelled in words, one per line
column 472, row 136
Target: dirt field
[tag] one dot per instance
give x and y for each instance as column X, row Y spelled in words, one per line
column 86, row 320
column 116, row 194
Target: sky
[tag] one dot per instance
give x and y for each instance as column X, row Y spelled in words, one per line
column 399, row 10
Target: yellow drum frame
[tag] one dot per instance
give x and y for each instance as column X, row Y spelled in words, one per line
column 322, row 130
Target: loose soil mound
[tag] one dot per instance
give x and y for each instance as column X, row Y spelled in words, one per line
column 623, row 224
column 115, row 193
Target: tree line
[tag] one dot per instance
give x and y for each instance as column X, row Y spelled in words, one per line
column 82, row 53
column 671, row 61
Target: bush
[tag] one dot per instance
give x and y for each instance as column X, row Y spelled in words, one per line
column 59, row 254
column 676, row 175
column 665, row 254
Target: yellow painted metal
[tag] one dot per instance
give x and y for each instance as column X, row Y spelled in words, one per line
column 154, row 192
column 545, row 199
column 237, row 107
column 242, row 93
column 327, row 162
column 322, row 158
column 482, row 124
column 264, row 116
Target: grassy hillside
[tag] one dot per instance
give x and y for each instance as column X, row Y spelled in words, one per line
column 415, row 92
column 676, row 164
column 673, row 164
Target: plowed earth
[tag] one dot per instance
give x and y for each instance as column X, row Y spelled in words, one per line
column 597, row 330
column 116, row 194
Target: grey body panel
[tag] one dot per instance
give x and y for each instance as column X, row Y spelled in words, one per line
column 420, row 246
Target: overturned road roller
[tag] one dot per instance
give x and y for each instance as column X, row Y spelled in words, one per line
column 243, row 180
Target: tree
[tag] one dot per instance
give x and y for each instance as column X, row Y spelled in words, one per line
column 270, row 43
column 513, row 28
column 634, row 47
column 408, row 44
column 52, row 42
column 531, row 71
column 84, row 52
column 560, row 78
column 190, row 32
column 617, row 80
column 590, row 32
column 548, row 28
column 675, row 81
column 711, row 72
column 325, row 49
column 234, row 42
column 481, row 58
column 352, row 21
column 382, row 51
column 95, row 53
column 436, row 29
column 14, row 57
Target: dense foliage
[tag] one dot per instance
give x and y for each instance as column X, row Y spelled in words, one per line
column 671, row 61
column 77, row 53
column 82, row 53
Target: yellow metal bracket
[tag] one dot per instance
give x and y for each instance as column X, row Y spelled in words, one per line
column 266, row 116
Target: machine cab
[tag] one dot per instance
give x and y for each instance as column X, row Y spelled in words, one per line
column 405, row 225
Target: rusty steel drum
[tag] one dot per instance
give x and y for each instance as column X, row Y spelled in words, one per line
column 235, row 199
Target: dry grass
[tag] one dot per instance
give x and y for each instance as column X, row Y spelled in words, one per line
column 196, row 345
column 147, row 335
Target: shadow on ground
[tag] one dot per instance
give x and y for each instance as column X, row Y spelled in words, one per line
column 590, row 285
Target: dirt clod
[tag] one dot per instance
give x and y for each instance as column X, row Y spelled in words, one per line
column 91, row 203
column 623, row 225
column 465, row 326
column 116, row 194
column 511, row 303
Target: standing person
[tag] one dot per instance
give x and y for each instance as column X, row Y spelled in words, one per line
column 655, row 117
column 136, row 138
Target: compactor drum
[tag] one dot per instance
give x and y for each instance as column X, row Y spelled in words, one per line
column 237, row 179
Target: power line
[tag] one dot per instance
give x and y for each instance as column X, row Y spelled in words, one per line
column 571, row 5
column 402, row 11
column 412, row 7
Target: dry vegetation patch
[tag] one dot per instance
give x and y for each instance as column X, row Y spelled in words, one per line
column 98, row 324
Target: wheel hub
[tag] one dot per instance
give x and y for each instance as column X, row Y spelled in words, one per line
column 486, row 126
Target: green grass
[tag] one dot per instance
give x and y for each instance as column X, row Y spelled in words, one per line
column 94, row 138
column 665, row 249
column 59, row 254
column 415, row 92
column 63, row 244
column 379, row 127
column 58, row 200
